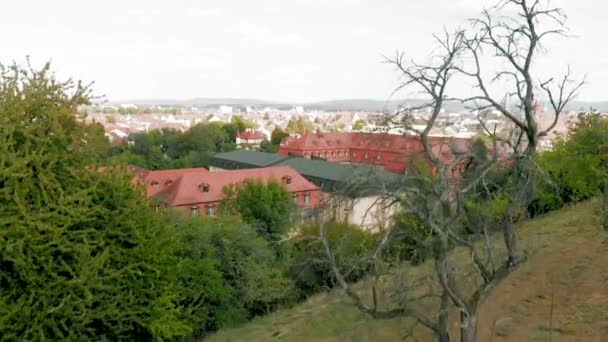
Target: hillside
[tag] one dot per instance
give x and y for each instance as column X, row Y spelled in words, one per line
column 567, row 262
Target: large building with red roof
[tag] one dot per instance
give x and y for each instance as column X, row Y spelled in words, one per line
column 391, row 151
column 199, row 192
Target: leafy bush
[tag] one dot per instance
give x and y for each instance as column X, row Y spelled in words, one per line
column 410, row 242
column 309, row 268
column 576, row 165
column 247, row 264
column 82, row 256
column 266, row 207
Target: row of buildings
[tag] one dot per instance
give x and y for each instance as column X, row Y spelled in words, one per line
column 349, row 177
column 345, row 192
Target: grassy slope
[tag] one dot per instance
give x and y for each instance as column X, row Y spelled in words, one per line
column 567, row 266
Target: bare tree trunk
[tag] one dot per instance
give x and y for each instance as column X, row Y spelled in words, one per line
column 468, row 326
column 443, row 334
column 509, row 236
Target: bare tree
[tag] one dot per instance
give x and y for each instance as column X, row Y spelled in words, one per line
column 516, row 40
column 439, row 201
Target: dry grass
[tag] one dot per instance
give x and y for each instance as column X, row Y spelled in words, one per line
column 567, row 262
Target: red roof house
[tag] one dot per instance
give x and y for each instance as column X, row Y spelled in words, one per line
column 250, row 138
column 199, row 191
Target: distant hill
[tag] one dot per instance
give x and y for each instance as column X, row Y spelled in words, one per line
column 333, row 105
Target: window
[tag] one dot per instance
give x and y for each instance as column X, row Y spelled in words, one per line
column 203, row 187
column 378, row 157
column 306, row 198
column 210, row 211
column 287, row 179
column 365, row 155
column 194, row 211
column 333, row 154
column 155, row 185
column 340, row 154
column 354, row 154
column 158, row 206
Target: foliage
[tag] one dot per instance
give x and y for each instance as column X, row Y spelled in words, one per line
column 82, row 256
column 273, row 145
column 299, row 125
column 277, row 136
column 575, row 168
column 410, row 241
column 358, row 125
column 308, row 265
column 169, row 148
column 207, row 300
column 248, row 265
column 267, row 207
column 268, row 147
column 604, row 207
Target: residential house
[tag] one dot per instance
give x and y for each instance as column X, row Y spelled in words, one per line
column 199, row 192
column 249, row 139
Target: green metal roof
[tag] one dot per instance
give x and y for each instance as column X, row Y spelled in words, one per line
column 348, row 179
column 247, row 158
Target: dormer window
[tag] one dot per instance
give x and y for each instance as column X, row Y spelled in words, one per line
column 155, row 184
column 203, row 187
column 168, row 182
column 286, row 179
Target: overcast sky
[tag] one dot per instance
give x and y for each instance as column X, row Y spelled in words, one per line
column 284, row 50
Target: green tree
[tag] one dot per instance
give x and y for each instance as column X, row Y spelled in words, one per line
column 82, row 255
column 277, row 136
column 299, row 125
column 578, row 162
column 358, row 125
column 208, row 301
column 248, row 265
column 267, row 146
column 267, row 207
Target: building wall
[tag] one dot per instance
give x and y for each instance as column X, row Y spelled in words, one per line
column 315, row 198
column 353, row 155
column 369, row 212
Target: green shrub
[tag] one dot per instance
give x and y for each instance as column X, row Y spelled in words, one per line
column 309, row 267
column 248, row 265
column 82, row 256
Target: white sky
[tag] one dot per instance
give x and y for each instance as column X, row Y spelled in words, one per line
column 284, row 50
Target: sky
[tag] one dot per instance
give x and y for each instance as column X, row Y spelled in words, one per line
column 281, row 50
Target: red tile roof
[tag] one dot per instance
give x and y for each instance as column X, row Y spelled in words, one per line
column 164, row 178
column 249, row 135
column 187, row 186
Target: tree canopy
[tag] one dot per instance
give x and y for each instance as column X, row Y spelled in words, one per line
column 82, row 256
